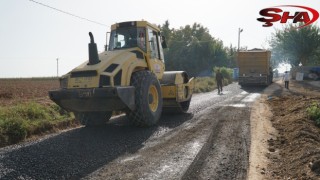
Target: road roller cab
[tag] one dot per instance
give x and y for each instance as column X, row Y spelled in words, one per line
column 128, row 76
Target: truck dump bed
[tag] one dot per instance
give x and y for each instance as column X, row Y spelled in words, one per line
column 254, row 67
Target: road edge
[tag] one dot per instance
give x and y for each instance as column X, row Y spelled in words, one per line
column 261, row 131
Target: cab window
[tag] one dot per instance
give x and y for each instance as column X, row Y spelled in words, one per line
column 131, row 37
column 153, row 43
column 141, row 34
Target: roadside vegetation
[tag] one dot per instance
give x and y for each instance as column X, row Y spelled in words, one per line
column 24, row 120
column 26, row 110
column 206, row 84
column 314, row 112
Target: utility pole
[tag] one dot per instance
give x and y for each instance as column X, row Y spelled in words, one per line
column 239, row 31
column 57, row 67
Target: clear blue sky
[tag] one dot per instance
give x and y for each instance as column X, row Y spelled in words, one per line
column 32, row 36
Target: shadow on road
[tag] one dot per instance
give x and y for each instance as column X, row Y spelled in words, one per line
column 76, row 153
column 253, row 89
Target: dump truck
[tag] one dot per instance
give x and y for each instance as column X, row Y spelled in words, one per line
column 254, row 67
column 128, row 76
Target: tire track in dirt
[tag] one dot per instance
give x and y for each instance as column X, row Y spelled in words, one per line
column 167, row 159
column 226, row 154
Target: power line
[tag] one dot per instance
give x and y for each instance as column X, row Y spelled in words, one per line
column 65, row 12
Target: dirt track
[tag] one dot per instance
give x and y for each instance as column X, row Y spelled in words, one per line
column 225, row 156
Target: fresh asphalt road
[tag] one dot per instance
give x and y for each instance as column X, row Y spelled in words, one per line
column 180, row 146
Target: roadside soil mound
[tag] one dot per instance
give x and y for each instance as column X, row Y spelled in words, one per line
column 295, row 151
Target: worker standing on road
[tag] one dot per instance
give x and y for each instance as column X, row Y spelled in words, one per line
column 219, row 79
column 286, row 79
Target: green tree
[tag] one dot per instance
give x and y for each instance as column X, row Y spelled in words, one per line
column 294, row 45
column 231, row 56
column 191, row 48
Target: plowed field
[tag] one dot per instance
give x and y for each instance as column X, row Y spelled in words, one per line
column 13, row 91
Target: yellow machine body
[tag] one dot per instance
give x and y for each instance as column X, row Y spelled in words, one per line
column 104, row 83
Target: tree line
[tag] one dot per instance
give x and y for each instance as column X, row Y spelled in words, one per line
column 295, row 45
column 191, row 48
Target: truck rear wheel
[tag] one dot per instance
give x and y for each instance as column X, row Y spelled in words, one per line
column 93, row 118
column 148, row 99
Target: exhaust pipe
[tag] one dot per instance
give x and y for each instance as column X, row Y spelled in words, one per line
column 93, row 51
